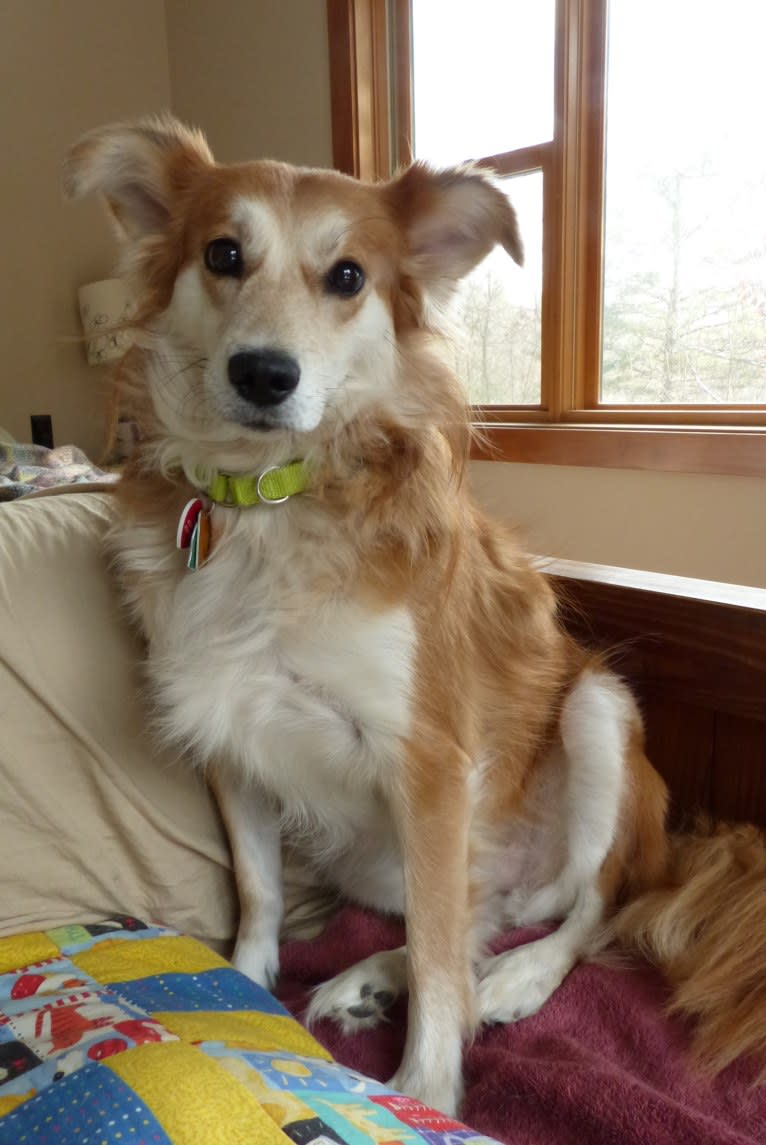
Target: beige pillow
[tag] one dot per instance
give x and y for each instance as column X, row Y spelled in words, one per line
column 93, row 818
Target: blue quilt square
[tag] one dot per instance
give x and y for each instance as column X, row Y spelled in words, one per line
column 301, row 1074
column 221, row 989
column 91, row 1105
column 6, row 1033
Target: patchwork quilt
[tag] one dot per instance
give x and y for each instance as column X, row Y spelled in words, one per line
column 27, row 468
column 123, row 1033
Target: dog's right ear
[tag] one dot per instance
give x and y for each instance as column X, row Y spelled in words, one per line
column 139, row 168
column 451, row 220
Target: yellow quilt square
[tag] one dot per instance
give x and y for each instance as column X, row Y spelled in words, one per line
column 20, row 949
column 244, row 1029
column 125, row 960
column 194, row 1100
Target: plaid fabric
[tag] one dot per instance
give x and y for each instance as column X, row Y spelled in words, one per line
column 123, row 1033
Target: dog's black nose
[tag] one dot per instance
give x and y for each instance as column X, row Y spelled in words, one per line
column 263, row 377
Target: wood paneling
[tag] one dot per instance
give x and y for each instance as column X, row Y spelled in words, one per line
column 738, row 789
column 679, row 742
column 697, row 662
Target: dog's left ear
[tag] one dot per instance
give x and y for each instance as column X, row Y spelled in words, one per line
column 451, row 219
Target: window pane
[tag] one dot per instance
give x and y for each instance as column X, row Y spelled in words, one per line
column 497, row 312
column 685, row 244
column 483, row 77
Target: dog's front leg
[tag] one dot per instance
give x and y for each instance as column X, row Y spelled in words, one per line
column 432, row 808
column 252, row 823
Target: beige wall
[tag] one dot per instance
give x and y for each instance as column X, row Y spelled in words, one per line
column 64, row 67
column 254, row 75
column 688, row 524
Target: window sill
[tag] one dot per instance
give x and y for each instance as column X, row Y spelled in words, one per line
column 672, row 449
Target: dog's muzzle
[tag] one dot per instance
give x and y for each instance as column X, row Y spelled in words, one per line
column 263, row 377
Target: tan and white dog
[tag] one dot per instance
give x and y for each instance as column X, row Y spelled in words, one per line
column 365, row 664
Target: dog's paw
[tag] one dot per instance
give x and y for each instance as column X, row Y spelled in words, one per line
column 516, row 984
column 258, row 959
column 359, row 997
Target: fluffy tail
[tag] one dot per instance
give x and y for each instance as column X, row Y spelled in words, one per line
column 705, row 927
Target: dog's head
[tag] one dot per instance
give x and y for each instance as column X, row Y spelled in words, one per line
column 280, row 296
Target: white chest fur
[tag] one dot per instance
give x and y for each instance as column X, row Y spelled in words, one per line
column 308, row 693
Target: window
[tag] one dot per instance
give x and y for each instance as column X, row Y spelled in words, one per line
column 684, row 308
column 502, row 107
column 627, row 135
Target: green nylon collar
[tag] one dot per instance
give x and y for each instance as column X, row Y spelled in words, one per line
column 270, row 487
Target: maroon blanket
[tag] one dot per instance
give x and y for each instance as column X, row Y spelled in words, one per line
column 599, row 1063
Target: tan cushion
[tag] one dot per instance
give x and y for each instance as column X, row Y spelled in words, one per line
column 93, row 818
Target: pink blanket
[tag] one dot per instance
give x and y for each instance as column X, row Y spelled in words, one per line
column 599, row 1063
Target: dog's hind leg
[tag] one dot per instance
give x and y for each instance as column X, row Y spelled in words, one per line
column 596, row 720
column 253, row 827
column 516, row 984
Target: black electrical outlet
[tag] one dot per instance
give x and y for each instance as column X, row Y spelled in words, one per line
column 42, row 429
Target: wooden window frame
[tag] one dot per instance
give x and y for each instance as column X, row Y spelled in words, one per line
column 371, row 107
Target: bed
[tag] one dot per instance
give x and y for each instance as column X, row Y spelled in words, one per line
column 95, row 820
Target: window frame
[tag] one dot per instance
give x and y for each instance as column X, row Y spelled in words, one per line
column 371, row 107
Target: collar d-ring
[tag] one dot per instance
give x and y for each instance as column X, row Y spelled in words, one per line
column 259, row 489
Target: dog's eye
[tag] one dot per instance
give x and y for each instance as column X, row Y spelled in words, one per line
column 224, row 257
column 345, row 278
